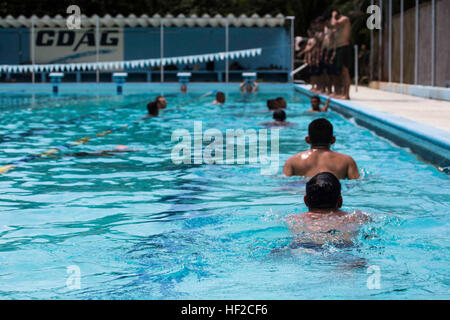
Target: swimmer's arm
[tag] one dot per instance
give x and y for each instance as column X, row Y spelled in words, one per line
column 352, row 170
column 255, row 86
column 325, row 107
column 288, row 169
column 242, row 85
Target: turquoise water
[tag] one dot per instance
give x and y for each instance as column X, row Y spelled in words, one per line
column 140, row 227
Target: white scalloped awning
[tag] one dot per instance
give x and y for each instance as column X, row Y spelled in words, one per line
column 169, row 20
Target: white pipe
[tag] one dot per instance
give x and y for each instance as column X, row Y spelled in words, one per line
column 303, row 66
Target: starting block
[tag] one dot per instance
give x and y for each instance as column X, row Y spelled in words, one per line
column 249, row 76
column 119, row 79
column 55, row 78
column 183, row 77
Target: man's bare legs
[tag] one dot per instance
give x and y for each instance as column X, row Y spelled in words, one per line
column 344, row 85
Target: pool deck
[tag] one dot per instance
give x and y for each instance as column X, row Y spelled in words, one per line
column 435, row 113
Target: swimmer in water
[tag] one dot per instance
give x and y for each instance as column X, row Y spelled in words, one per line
column 319, row 158
column 273, row 104
column 161, row 101
column 102, row 153
column 279, row 116
column 183, row 88
column 220, row 98
column 153, row 109
column 281, row 102
column 249, row 86
column 315, row 105
column 324, row 222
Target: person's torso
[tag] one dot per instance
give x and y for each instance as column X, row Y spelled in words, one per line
column 343, row 34
column 312, row 162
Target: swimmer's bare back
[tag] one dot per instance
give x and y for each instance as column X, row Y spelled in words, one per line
column 331, row 226
column 311, row 162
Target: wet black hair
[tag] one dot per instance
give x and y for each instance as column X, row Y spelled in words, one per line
column 152, row 108
column 323, row 191
column 281, row 102
column 220, row 96
column 315, row 97
column 320, row 132
column 279, row 115
column 272, row 104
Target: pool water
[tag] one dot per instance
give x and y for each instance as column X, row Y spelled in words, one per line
column 137, row 226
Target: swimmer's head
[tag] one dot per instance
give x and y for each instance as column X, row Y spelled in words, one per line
column 272, row 104
column 320, row 133
column 153, row 109
column 323, row 191
column 315, row 103
column 281, row 102
column 279, row 115
column 161, row 101
column 183, row 87
column 249, row 87
column 220, row 97
column 121, row 148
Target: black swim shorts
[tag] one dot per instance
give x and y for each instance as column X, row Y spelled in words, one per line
column 343, row 58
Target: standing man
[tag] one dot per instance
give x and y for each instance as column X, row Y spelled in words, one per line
column 343, row 51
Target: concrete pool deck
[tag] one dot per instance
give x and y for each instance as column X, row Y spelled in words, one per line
column 435, row 113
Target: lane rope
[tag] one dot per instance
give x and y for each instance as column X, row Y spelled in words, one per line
column 14, row 164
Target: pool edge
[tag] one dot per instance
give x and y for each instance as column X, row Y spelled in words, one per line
column 431, row 144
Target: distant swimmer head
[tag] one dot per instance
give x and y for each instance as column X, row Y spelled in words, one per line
column 153, row 109
column 249, row 87
column 279, row 115
column 281, row 102
column 320, row 133
column 323, row 191
column 273, row 104
column 121, row 147
column 183, row 87
column 161, row 101
column 220, row 97
column 315, row 103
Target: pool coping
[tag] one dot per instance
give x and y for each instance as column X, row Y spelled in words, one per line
column 431, row 144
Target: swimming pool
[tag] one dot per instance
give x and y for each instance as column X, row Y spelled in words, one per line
column 138, row 226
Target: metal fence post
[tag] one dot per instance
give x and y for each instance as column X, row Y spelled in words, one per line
column 401, row 39
column 390, row 42
column 162, row 48
column 416, row 45
column 433, row 41
column 356, row 67
column 97, row 43
column 227, row 44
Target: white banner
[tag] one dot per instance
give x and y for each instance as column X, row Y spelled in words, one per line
column 61, row 45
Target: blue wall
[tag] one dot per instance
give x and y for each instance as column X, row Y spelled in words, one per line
column 143, row 43
column 140, row 43
column 14, row 45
